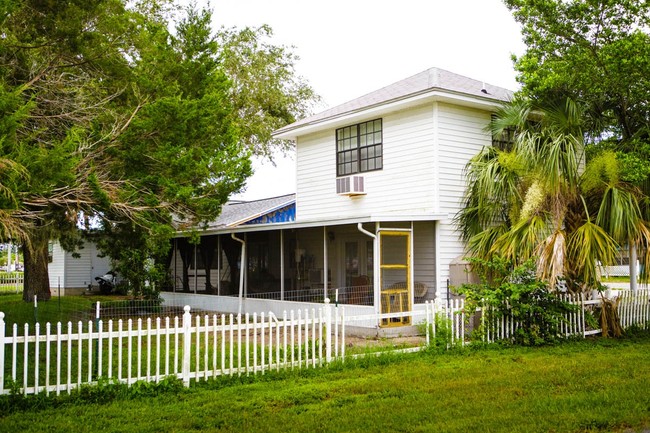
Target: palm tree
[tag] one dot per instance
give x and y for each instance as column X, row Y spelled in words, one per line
column 534, row 197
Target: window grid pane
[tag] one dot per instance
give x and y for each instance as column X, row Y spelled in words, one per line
column 359, row 148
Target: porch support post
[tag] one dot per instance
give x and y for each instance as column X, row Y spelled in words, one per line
column 242, row 267
column 376, row 269
column 412, row 267
column 436, row 263
column 375, row 265
column 282, row 265
column 196, row 271
column 218, row 265
column 325, row 258
column 244, row 270
column 175, row 254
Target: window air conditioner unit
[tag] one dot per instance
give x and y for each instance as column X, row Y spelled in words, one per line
column 350, row 186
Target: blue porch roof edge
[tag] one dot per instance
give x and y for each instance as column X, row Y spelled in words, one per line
column 283, row 214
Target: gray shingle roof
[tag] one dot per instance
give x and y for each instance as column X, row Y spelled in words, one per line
column 237, row 212
column 426, row 81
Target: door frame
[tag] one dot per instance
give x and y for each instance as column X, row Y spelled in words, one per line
column 397, row 299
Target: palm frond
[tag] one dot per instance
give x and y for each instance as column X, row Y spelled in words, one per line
column 492, row 191
column 587, row 246
column 619, row 214
column 480, row 245
column 521, row 242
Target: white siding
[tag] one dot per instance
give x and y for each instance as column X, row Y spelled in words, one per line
column 98, row 265
column 76, row 273
column 424, row 260
column 403, row 186
column 461, row 136
column 80, row 271
column 426, row 149
column 56, row 268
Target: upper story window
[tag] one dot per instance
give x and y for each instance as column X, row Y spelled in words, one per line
column 505, row 140
column 359, row 148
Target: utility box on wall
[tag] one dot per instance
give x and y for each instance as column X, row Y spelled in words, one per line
column 460, row 272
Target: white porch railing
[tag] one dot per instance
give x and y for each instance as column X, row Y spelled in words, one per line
column 63, row 357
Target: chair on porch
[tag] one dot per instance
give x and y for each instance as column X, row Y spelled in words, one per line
column 360, row 292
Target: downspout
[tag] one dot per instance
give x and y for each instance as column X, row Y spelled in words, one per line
column 366, row 232
column 325, row 264
column 375, row 271
column 242, row 269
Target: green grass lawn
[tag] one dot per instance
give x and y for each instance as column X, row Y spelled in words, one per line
column 57, row 309
column 587, row 386
column 616, row 279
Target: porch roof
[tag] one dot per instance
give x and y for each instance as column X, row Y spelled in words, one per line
column 236, row 213
column 364, row 219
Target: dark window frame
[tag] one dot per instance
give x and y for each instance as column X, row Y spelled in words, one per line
column 360, row 148
column 505, row 140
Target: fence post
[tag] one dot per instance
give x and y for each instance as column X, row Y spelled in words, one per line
column 427, row 321
column 187, row 345
column 98, row 342
column 328, row 331
column 2, row 352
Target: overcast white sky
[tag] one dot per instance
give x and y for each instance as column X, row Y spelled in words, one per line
column 352, row 47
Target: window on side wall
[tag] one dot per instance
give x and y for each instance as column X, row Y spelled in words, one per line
column 505, row 140
column 359, row 148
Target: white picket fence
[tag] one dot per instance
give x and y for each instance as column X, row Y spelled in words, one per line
column 11, row 282
column 504, row 326
column 63, row 357
column 190, row 347
column 633, row 309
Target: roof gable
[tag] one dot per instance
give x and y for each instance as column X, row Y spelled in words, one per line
column 425, row 82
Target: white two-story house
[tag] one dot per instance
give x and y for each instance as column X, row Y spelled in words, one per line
column 379, row 180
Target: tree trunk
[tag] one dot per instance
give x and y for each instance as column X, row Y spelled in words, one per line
column 37, row 279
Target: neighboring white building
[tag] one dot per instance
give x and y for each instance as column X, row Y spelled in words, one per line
column 72, row 275
column 379, row 181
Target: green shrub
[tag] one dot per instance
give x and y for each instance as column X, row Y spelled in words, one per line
column 516, row 293
column 440, row 333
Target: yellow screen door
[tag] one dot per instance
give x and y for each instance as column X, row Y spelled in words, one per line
column 395, row 275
